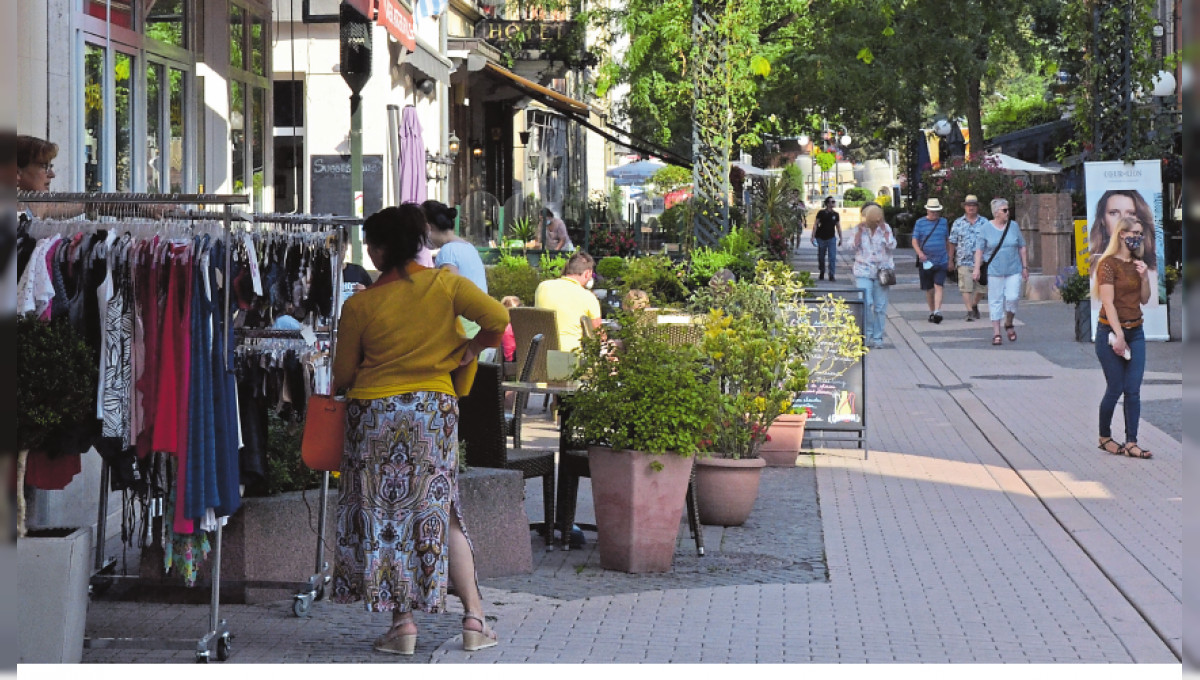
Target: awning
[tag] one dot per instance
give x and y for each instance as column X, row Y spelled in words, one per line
column 577, row 111
column 554, row 100
column 427, row 60
column 1016, row 166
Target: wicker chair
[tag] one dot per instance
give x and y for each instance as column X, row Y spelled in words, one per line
column 512, row 421
column 528, row 322
column 481, row 432
column 682, row 333
column 573, row 464
column 586, row 328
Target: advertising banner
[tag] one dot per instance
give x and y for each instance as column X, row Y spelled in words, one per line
column 1082, row 261
column 1115, row 190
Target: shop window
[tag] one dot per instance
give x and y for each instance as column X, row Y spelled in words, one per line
column 95, row 134
column 123, row 65
column 156, row 155
column 177, row 146
column 237, row 37
column 289, row 103
column 166, row 22
column 164, row 128
column 258, row 134
column 237, row 130
column 258, row 47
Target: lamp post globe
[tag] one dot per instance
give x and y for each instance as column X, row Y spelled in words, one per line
column 845, row 140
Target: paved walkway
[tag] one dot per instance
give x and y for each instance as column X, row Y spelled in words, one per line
column 982, row 526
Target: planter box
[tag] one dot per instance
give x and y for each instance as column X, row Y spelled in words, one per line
column 1083, row 321
column 53, row 569
column 638, row 509
column 274, row 540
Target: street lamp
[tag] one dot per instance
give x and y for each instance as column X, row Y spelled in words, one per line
column 452, row 145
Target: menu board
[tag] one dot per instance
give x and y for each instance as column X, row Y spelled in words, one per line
column 835, row 390
column 331, row 185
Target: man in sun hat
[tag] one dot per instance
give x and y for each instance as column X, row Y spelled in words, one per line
column 962, row 254
column 931, row 241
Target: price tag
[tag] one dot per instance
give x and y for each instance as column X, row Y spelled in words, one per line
column 255, row 278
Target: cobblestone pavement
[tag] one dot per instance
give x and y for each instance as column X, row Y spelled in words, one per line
column 982, row 526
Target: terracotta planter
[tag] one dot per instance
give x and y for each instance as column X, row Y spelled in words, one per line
column 786, row 439
column 638, row 509
column 726, row 489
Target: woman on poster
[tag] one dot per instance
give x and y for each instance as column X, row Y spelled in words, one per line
column 1112, row 206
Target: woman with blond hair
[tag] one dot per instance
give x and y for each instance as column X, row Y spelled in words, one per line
column 873, row 246
column 1122, row 285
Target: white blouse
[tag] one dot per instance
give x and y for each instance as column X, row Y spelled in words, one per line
column 871, row 252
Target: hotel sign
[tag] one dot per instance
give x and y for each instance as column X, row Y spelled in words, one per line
column 535, row 33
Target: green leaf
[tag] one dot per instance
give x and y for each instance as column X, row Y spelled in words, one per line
column 760, row 66
column 865, row 55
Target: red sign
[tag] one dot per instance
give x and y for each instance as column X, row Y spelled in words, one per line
column 398, row 22
column 364, row 7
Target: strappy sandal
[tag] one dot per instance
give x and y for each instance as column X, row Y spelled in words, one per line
column 1135, row 451
column 996, row 340
column 1104, row 445
column 392, row 642
column 474, row 640
column 1012, row 333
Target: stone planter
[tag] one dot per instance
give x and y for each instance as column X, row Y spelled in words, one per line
column 638, row 508
column 53, row 568
column 786, row 440
column 727, row 489
column 1083, row 321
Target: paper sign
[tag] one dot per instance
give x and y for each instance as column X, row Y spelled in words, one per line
column 254, row 275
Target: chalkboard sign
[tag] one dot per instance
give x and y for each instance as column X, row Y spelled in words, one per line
column 331, row 185
column 836, row 385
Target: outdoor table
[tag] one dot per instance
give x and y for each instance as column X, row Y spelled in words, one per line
column 552, row 387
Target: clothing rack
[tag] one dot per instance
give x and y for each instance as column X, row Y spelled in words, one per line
column 314, row 588
column 125, row 205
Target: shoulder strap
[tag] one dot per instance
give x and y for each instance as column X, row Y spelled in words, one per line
column 926, row 239
column 1002, row 237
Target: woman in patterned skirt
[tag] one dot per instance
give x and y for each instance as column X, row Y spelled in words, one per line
column 404, row 359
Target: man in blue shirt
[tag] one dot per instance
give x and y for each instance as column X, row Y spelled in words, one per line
column 931, row 238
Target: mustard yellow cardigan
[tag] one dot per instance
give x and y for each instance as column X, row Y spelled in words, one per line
column 402, row 334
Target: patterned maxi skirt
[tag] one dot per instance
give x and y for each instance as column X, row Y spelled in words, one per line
column 397, row 488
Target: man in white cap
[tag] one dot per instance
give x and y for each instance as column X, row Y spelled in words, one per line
column 931, row 241
column 962, row 253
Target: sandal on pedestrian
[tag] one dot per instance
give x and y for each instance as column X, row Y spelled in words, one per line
column 392, row 642
column 474, row 640
column 1012, row 333
column 1134, row 451
column 996, row 340
column 1110, row 445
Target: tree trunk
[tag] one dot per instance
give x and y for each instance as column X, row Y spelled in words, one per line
column 974, row 117
column 21, row 458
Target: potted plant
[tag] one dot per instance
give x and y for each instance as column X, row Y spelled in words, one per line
column 56, row 395
column 785, row 437
column 641, row 409
column 758, row 362
column 1074, row 289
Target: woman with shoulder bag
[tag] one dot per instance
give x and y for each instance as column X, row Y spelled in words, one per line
column 399, row 524
column 1123, row 285
column 874, row 270
column 1005, row 269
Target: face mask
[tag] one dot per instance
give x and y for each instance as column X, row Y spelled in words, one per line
column 1134, row 242
column 591, row 283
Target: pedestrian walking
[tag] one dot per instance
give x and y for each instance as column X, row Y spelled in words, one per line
column 873, row 246
column 827, row 237
column 963, row 235
column 1123, row 285
column 931, row 241
column 400, row 530
column 1003, row 246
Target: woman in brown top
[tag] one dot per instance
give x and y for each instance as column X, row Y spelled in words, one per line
column 1123, row 286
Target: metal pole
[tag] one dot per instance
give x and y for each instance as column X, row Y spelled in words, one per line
column 356, row 172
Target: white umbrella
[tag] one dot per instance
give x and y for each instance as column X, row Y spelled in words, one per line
column 631, row 174
column 1016, row 166
column 750, row 170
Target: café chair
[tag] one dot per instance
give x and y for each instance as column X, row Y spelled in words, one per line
column 528, row 322
column 483, row 440
column 512, row 421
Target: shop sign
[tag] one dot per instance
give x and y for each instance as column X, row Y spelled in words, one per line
column 399, row 23
column 535, row 32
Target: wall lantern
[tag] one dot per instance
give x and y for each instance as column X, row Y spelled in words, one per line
column 477, row 150
column 452, row 145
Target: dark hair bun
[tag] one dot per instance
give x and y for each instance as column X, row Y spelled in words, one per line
column 399, row 232
column 440, row 215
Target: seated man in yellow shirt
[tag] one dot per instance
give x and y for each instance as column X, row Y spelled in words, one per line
column 570, row 298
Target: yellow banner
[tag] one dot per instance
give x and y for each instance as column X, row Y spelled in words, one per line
column 1081, row 247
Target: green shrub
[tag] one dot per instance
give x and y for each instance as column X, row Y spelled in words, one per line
column 1072, row 286
column 675, row 222
column 286, row 471
column 703, row 263
column 743, row 245
column 56, row 384
column 1018, row 113
column 612, row 267
column 857, row 194
column 519, row 281
column 659, row 277
column 551, row 266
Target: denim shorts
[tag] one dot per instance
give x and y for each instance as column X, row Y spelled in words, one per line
column 934, row 276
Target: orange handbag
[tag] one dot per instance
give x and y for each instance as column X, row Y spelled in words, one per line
column 324, row 433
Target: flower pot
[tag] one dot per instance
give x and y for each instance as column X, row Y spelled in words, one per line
column 638, row 508
column 1083, row 321
column 53, row 568
column 726, row 489
column 786, row 438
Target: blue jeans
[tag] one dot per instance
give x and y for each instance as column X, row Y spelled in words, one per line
column 1123, row 377
column 827, row 245
column 874, row 307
